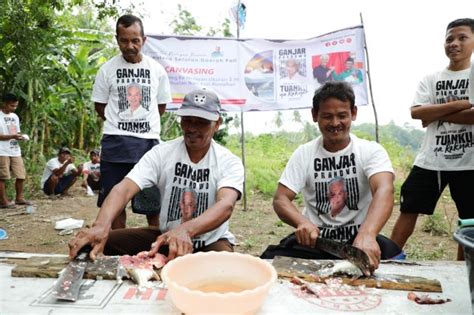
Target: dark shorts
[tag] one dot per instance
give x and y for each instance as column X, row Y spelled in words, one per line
column 94, row 184
column 133, row 241
column 422, row 188
column 63, row 184
column 145, row 202
column 289, row 247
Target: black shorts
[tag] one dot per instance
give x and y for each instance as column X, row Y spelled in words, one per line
column 63, row 183
column 422, row 188
column 289, row 247
column 112, row 174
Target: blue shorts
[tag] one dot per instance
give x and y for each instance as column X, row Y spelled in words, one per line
column 63, row 184
column 422, row 188
column 145, row 202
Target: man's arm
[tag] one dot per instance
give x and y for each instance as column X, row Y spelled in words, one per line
column 161, row 109
column 60, row 170
column 100, row 109
column 465, row 117
column 179, row 239
column 306, row 232
column 432, row 112
column 380, row 209
column 98, row 234
column 9, row 137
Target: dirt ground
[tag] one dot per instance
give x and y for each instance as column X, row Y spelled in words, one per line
column 254, row 229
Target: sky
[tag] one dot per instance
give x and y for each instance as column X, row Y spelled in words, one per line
column 404, row 40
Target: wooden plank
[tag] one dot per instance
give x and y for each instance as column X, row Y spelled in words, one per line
column 308, row 270
column 48, row 267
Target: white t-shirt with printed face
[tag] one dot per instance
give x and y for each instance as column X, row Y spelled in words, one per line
column 168, row 167
column 111, row 87
column 311, row 169
column 91, row 168
column 9, row 125
column 51, row 166
column 446, row 146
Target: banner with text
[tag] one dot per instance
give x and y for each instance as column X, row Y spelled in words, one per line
column 260, row 74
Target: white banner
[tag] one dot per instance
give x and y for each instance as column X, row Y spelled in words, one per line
column 260, row 74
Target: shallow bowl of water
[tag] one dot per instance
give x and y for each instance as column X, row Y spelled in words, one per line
column 218, row 282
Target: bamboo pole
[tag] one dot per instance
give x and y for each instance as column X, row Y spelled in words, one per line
column 370, row 83
column 242, row 129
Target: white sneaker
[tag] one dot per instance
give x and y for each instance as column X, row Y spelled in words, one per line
column 90, row 192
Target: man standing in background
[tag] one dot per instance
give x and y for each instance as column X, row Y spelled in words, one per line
column 126, row 139
column 11, row 162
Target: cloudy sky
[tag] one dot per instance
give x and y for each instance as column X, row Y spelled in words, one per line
column 404, row 40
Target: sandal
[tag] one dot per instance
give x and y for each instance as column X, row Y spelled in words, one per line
column 23, row 203
column 9, row 205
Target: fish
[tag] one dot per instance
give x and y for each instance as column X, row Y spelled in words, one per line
column 426, row 299
column 141, row 267
column 343, row 267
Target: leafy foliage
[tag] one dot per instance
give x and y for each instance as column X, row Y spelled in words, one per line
column 49, row 57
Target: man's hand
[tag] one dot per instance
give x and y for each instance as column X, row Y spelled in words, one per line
column 96, row 236
column 307, row 233
column 370, row 246
column 178, row 241
column 18, row 136
column 70, row 160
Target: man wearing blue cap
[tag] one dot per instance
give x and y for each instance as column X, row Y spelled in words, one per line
column 194, row 161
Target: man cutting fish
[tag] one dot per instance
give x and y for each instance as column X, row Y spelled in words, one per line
column 194, row 161
column 336, row 157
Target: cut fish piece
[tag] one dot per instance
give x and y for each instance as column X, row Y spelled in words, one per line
column 343, row 267
column 140, row 267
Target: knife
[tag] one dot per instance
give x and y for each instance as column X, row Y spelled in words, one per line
column 69, row 282
column 345, row 251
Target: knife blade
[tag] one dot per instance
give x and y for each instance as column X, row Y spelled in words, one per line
column 69, row 282
column 345, row 251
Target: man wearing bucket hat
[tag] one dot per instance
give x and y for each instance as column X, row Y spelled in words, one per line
column 194, row 161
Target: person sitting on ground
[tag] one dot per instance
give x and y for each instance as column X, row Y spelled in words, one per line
column 11, row 162
column 91, row 173
column 193, row 161
column 60, row 173
column 368, row 179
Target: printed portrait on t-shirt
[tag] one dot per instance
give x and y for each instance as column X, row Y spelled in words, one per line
column 337, row 195
column 135, row 108
column 188, row 204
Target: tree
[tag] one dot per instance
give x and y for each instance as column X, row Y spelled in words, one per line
column 49, row 57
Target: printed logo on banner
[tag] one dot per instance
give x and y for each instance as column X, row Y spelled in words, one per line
column 293, row 74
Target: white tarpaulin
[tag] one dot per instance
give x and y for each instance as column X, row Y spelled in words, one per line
column 260, row 74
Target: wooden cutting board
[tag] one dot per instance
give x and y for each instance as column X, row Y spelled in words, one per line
column 306, row 269
column 48, row 267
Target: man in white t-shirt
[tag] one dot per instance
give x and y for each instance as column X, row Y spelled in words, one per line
column 130, row 93
column 194, row 161
column 60, row 173
column 11, row 162
column 446, row 157
column 368, row 179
